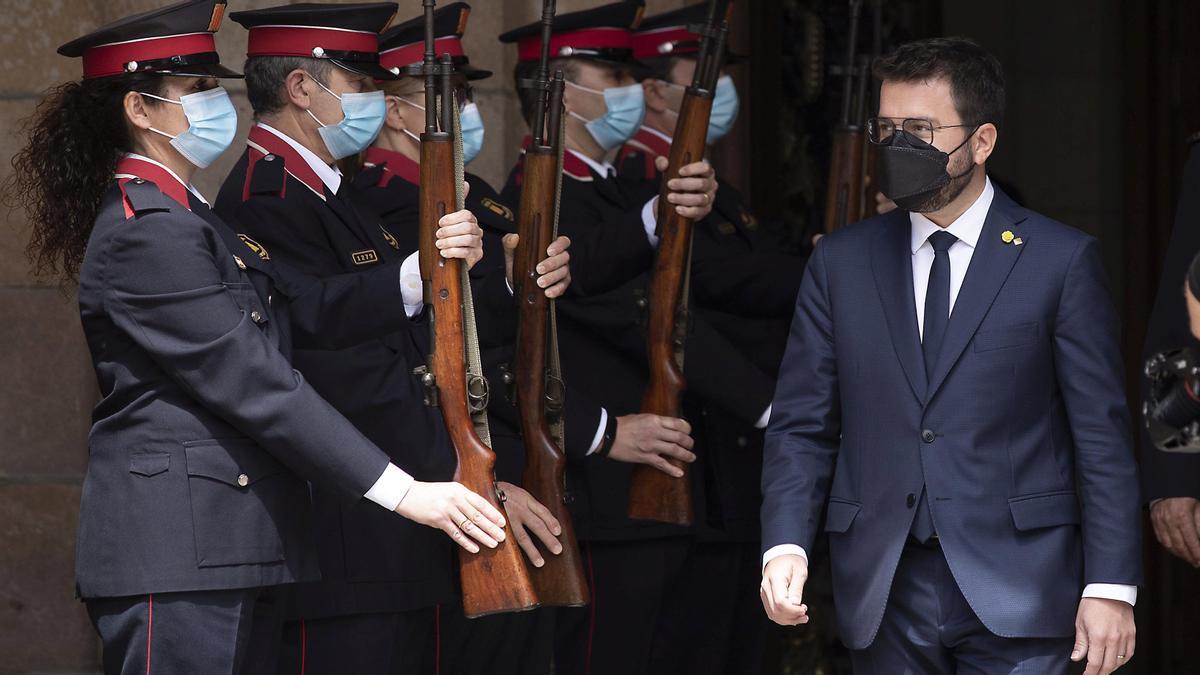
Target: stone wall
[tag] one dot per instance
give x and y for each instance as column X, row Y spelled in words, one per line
column 48, row 388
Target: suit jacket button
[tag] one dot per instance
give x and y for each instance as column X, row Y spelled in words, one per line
column 243, row 480
column 255, row 316
column 928, row 436
column 910, row 500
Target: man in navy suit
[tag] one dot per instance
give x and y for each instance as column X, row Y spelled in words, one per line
column 951, row 399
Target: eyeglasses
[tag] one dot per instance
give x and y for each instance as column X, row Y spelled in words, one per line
column 881, row 129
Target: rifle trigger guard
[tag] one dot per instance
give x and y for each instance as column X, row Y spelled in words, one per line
column 477, row 393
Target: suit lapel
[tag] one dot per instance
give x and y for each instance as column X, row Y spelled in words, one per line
column 990, row 266
column 891, row 260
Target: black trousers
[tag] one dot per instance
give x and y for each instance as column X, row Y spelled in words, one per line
column 929, row 629
column 398, row 643
column 714, row 623
column 520, row 643
column 629, row 582
column 233, row 632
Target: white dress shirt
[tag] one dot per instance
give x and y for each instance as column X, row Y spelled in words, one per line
column 967, row 229
column 393, row 484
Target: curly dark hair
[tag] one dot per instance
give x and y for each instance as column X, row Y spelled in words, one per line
column 76, row 136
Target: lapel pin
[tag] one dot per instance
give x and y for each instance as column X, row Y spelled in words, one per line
column 1018, row 241
column 1007, row 236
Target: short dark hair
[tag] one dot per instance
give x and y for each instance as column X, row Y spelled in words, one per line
column 265, row 76
column 527, row 70
column 975, row 76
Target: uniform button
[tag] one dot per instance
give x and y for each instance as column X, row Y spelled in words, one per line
column 138, row 181
column 255, row 316
column 269, row 158
column 742, row 442
column 243, row 480
column 928, row 436
column 270, row 298
column 910, row 500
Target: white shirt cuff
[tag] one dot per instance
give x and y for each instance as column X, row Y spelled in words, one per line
column 650, row 221
column 781, row 550
column 391, row 488
column 599, row 437
column 1120, row 592
column 410, row 285
column 762, row 421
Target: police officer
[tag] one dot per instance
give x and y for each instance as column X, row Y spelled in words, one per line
column 310, row 79
column 602, row 343
column 746, row 288
column 194, row 507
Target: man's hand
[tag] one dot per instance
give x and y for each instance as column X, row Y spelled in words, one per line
column 554, row 273
column 528, row 515
column 1175, row 527
column 782, row 590
column 455, row 510
column 1193, row 310
column 459, row 236
column 1104, row 633
column 694, row 192
column 651, row 439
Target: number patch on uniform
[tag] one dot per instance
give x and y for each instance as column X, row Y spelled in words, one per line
column 364, row 257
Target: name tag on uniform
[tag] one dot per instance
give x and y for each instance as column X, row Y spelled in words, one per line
column 364, row 257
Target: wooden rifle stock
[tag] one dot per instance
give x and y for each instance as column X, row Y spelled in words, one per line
column 844, row 199
column 653, row 495
column 493, row 580
column 561, row 580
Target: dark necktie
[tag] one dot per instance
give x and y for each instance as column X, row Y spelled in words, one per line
column 937, row 299
column 937, row 315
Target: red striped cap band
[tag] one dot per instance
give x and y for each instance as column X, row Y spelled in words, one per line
column 303, row 40
column 400, row 57
column 530, row 48
column 111, row 59
column 662, row 41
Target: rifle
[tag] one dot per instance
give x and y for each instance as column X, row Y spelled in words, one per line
column 538, row 383
column 653, row 495
column 493, row 580
column 852, row 159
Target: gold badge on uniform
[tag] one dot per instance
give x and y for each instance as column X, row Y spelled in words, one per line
column 241, row 265
column 364, row 257
column 255, row 246
column 387, row 236
column 499, row 209
column 726, row 227
column 749, row 220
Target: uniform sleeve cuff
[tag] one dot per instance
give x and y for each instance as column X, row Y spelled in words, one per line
column 650, row 221
column 1120, row 592
column 391, row 488
column 764, row 420
column 599, row 437
column 410, row 285
column 782, row 550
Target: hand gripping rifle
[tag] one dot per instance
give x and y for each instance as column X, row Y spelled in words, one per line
column 539, row 385
column 493, row 580
column 653, row 495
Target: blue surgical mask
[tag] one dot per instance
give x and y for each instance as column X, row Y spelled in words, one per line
column 625, row 110
column 724, row 108
column 212, row 124
column 363, row 115
column 471, row 124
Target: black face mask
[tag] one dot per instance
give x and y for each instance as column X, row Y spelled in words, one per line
column 912, row 172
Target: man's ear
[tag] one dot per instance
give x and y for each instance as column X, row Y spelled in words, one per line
column 656, row 101
column 136, row 110
column 985, row 142
column 394, row 120
column 294, row 91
